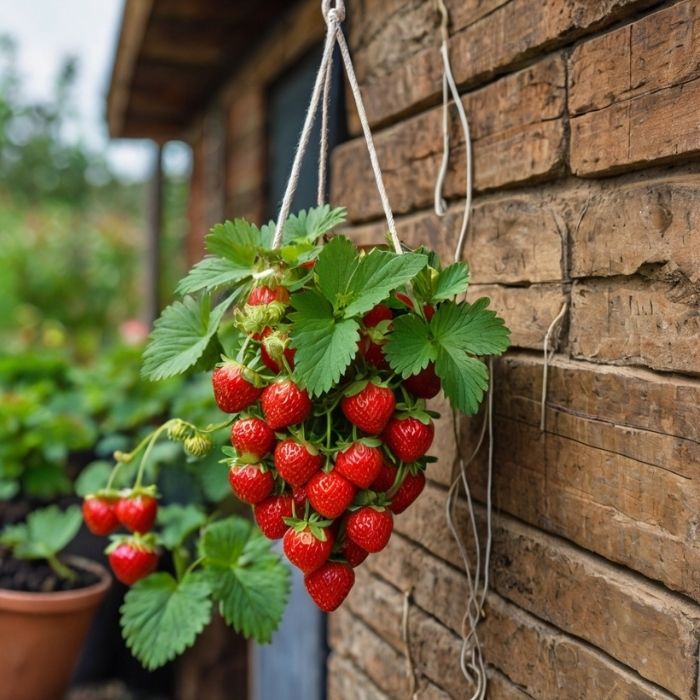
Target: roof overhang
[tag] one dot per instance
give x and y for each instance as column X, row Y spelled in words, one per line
column 172, row 57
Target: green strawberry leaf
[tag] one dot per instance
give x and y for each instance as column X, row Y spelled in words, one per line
column 44, row 534
column 464, row 378
column 470, row 327
column 181, row 336
column 236, row 240
column 324, row 345
column 162, row 617
column 309, row 224
column 211, row 273
column 248, row 579
column 325, row 348
column 334, row 268
column 178, row 522
column 409, row 348
column 376, row 274
column 451, row 282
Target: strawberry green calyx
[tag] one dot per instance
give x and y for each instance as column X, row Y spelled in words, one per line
column 317, row 526
column 147, row 542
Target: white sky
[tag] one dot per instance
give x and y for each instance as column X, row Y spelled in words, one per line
column 48, row 30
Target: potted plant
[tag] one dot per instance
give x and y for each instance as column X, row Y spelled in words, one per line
column 47, row 602
column 323, row 357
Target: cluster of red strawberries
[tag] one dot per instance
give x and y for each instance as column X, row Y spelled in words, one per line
column 134, row 556
column 326, row 476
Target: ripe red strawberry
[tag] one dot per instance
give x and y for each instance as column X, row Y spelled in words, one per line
column 428, row 310
column 408, row 438
column 360, row 464
column 409, row 490
column 381, row 312
column 353, row 553
column 132, row 559
column 308, row 547
column 253, row 438
column 99, row 515
column 284, row 403
column 297, row 461
column 270, row 515
column 386, row 477
column 250, row 482
column 267, row 358
column 370, row 408
column 330, row 585
column 262, row 295
column 425, row 384
column 137, row 512
column 299, row 496
column 330, row 493
column 232, row 389
column 370, row 528
column 373, row 353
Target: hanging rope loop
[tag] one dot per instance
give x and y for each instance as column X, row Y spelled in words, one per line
column 335, row 13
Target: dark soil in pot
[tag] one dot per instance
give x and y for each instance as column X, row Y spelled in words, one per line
column 39, row 577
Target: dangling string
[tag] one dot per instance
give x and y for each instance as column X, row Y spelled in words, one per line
column 548, row 357
column 412, row 692
column 323, row 147
column 449, row 87
column 334, row 34
column 471, row 656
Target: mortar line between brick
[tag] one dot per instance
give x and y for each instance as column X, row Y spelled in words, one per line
column 360, row 672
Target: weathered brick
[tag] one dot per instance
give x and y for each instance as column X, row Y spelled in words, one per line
column 645, row 130
column 504, row 36
column 617, row 229
column 346, row 682
column 654, row 631
column 517, row 130
column 528, row 311
column 638, row 321
column 444, row 445
column 379, row 661
column 511, row 239
column 655, row 52
column 606, row 503
column 543, row 662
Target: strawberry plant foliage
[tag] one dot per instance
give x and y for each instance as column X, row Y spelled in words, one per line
column 323, row 356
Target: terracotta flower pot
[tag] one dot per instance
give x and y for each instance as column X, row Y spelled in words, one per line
column 41, row 635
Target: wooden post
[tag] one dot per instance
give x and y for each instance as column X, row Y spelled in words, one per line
column 153, row 236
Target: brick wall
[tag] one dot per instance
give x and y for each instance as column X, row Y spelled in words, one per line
column 586, row 119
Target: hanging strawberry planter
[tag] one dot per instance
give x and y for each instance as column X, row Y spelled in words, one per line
column 323, row 357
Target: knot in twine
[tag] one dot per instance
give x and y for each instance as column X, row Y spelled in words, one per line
column 334, row 14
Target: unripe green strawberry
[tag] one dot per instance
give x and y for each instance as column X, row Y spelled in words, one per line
column 251, row 483
column 330, row 494
column 234, row 386
column 178, row 430
column 370, row 408
column 296, row 461
column 284, row 403
column 253, row 438
column 329, row 585
column 198, row 445
column 307, row 546
column 274, row 346
column 270, row 515
column 370, row 528
column 360, row 463
column 409, row 438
